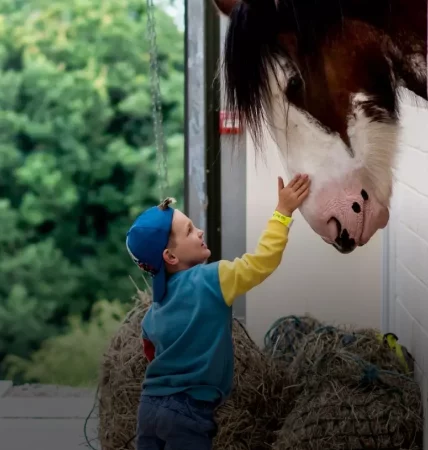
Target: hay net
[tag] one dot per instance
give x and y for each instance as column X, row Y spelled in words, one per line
column 286, row 335
column 357, row 392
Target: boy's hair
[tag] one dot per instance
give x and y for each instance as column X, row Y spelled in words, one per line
column 163, row 206
column 165, row 203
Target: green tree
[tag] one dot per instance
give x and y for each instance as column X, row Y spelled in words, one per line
column 73, row 358
column 77, row 155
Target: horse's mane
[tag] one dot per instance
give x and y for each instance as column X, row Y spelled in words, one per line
column 250, row 52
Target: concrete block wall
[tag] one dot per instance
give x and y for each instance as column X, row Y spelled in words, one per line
column 407, row 243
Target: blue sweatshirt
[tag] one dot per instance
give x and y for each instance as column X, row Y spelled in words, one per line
column 191, row 328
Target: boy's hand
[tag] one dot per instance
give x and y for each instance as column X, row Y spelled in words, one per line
column 291, row 196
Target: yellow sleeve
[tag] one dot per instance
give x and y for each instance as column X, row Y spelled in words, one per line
column 242, row 274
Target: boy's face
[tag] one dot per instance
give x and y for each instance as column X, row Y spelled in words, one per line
column 186, row 247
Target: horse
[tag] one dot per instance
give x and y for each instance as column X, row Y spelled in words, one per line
column 326, row 76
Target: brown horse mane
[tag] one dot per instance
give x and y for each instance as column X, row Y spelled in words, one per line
column 252, row 48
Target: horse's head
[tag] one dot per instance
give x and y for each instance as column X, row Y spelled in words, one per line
column 324, row 78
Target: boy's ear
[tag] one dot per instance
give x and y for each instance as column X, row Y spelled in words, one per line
column 169, row 257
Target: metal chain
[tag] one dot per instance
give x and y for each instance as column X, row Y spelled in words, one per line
column 156, row 102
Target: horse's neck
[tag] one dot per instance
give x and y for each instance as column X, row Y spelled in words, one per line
column 405, row 21
column 407, row 25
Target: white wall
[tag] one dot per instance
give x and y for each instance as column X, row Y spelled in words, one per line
column 407, row 240
column 313, row 277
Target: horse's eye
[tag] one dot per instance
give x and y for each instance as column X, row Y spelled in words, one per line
column 294, row 87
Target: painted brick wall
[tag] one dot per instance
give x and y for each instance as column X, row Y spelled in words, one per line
column 407, row 243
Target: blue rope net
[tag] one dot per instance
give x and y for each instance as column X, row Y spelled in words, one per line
column 356, row 389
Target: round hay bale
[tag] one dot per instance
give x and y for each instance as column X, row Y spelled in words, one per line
column 287, row 334
column 122, row 373
column 356, row 395
column 330, row 415
column 261, row 399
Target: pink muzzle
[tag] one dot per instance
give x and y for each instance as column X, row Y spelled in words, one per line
column 345, row 214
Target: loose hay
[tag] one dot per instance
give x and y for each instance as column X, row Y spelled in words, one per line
column 261, row 399
column 356, row 396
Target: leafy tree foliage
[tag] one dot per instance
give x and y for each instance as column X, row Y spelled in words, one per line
column 77, row 155
column 73, row 358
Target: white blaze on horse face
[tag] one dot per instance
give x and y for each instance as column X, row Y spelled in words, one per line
column 353, row 189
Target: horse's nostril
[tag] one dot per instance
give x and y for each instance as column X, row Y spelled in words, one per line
column 344, row 243
column 364, row 195
column 345, row 235
column 356, row 207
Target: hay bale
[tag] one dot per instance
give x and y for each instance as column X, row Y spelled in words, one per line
column 333, row 415
column 122, row 373
column 248, row 420
column 356, row 396
column 286, row 335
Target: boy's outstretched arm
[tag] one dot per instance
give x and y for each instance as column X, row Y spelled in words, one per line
column 242, row 274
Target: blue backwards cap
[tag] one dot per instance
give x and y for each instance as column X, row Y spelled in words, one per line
column 147, row 239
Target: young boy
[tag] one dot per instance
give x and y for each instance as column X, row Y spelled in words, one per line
column 187, row 331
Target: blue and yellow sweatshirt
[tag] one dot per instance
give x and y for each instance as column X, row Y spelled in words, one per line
column 191, row 329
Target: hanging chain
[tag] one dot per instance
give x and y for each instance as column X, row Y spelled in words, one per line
column 156, row 102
